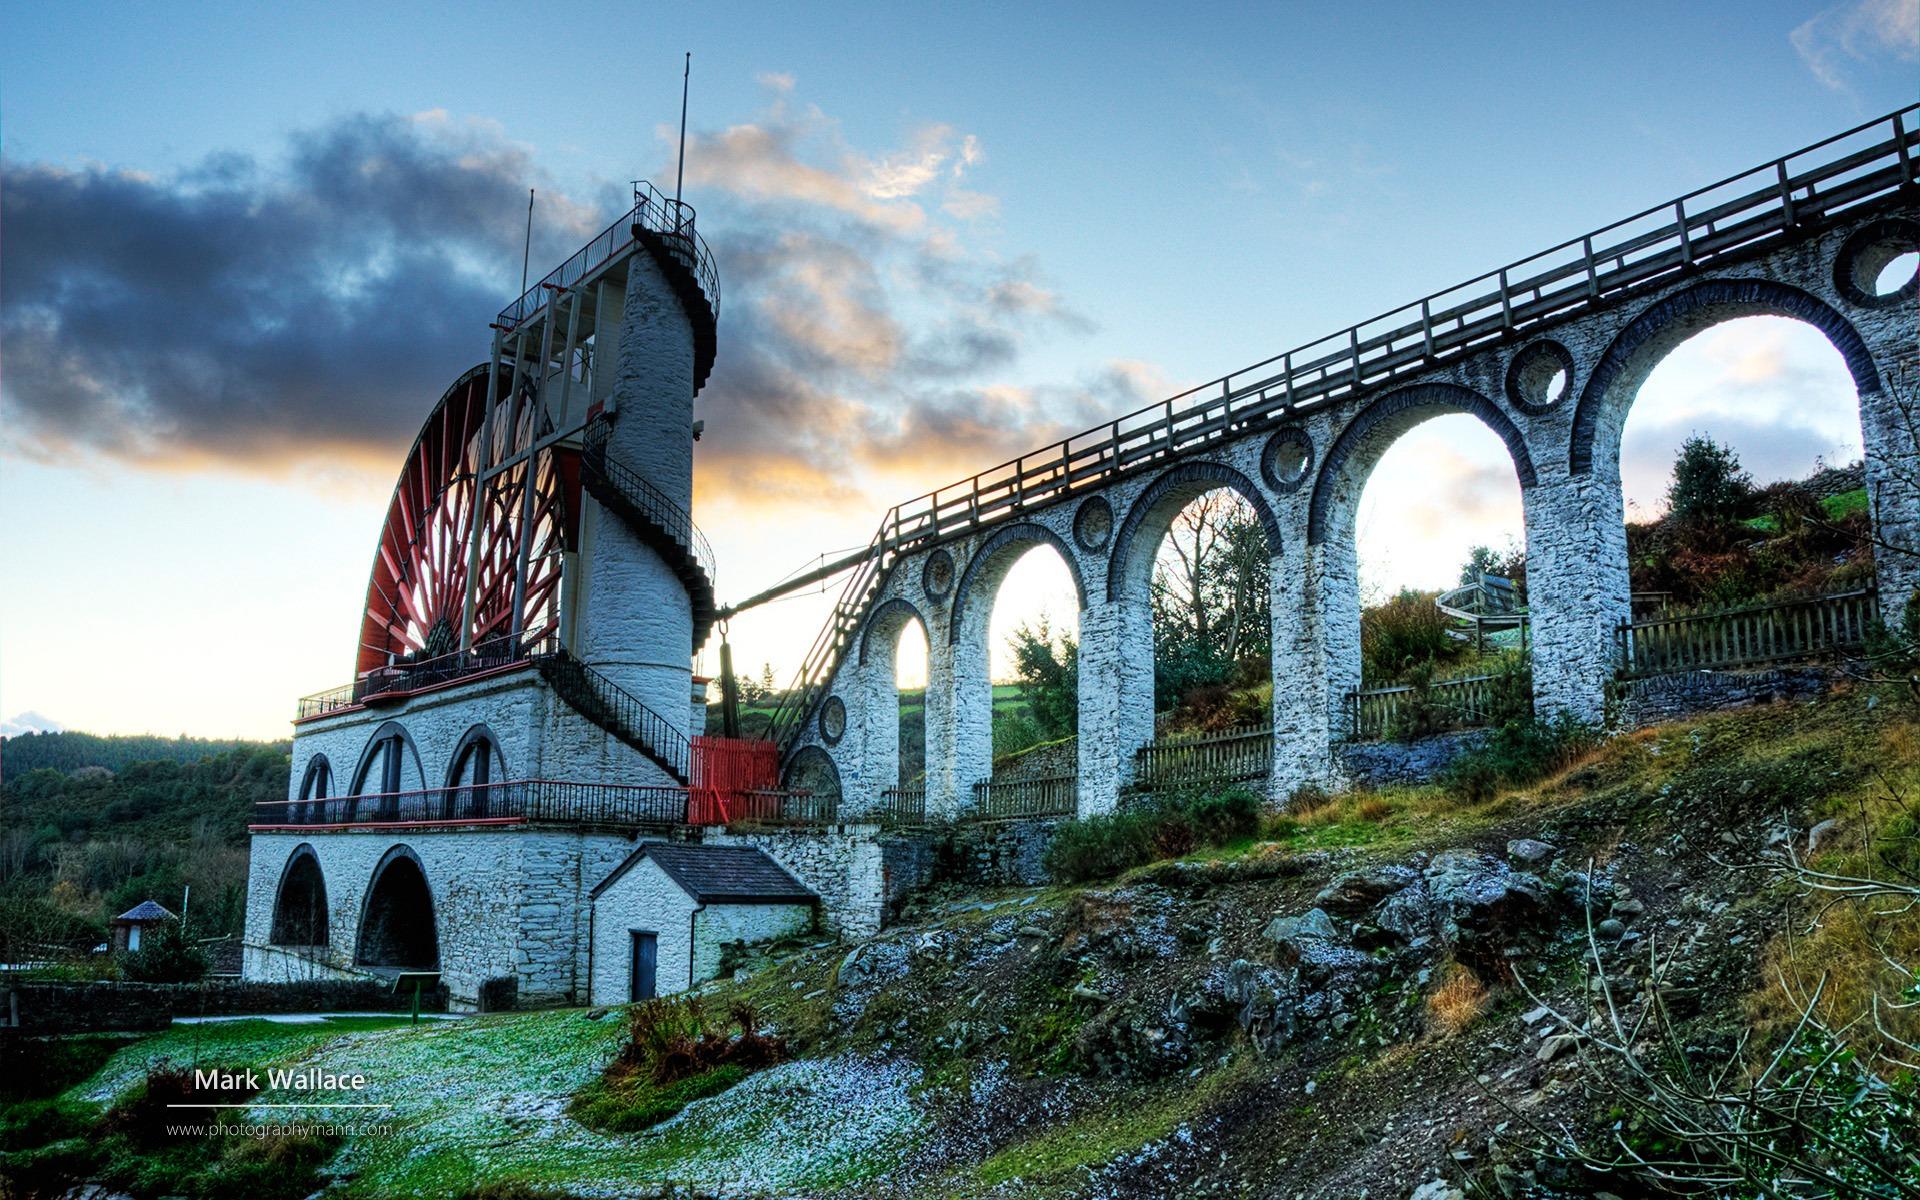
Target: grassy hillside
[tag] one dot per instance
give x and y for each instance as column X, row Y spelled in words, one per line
column 78, row 847
column 1201, row 1026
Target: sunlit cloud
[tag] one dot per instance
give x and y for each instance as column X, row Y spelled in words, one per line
column 1859, row 31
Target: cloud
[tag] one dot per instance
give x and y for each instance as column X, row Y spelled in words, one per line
column 1855, row 32
column 244, row 314
column 289, row 314
column 28, row 722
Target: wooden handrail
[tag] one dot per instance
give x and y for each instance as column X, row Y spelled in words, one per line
column 1575, row 274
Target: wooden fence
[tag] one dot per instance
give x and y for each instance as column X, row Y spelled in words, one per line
column 1456, row 704
column 903, row 806
column 1047, row 796
column 1230, row 756
column 1746, row 637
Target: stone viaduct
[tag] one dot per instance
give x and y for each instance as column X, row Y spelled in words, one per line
column 1548, row 353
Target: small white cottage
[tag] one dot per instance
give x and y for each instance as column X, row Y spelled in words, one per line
column 661, row 918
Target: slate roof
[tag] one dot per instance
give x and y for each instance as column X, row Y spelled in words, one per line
column 146, row 910
column 719, row 874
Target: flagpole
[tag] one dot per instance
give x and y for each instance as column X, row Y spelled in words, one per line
column 526, row 251
column 681, row 174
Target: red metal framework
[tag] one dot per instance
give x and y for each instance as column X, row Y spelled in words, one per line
column 431, row 546
column 733, row 779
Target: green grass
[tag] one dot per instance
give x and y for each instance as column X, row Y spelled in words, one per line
column 483, row 1100
column 1846, row 504
column 1060, row 1152
column 631, row 1105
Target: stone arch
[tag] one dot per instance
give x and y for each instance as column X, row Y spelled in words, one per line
column 888, row 620
column 470, row 771
column 399, row 928
column 390, row 735
column 1634, row 352
column 1155, row 508
column 873, row 693
column 316, row 785
column 300, row 902
column 388, row 749
column 989, row 565
column 812, row 769
column 1351, row 458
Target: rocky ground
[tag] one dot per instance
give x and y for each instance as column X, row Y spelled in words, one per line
column 1377, row 998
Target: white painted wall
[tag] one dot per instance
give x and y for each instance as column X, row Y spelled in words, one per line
column 690, row 938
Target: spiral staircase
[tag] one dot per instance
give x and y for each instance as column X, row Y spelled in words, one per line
column 665, row 229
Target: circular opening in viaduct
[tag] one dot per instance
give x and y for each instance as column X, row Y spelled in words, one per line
column 1897, row 274
column 1880, row 265
column 833, row 719
column 1540, row 377
column 1288, row 458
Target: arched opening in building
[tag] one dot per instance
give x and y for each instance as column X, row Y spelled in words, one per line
column 1741, row 473
column 388, row 766
column 316, row 785
column 398, row 927
column 471, row 774
column 1015, row 631
column 300, row 906
column 1212, row 627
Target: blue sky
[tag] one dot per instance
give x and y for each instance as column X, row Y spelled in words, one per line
column 1144, row 200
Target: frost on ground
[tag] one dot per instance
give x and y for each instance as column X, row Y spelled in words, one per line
column 486, row 1100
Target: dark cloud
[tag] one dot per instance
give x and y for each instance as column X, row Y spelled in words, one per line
column 262, row 315
column 258, row 314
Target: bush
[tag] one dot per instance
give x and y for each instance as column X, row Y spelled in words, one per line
column 1104, row 846
column 675, row 1053
column 672, row 1040
column 1518, row 753
column 165, row 955
column 1401, row 634
column 1013, row 732
column 1708, row 485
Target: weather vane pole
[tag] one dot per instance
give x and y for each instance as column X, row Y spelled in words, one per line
column 681, row 175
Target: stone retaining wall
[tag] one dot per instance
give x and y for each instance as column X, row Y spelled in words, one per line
column 1640, row 702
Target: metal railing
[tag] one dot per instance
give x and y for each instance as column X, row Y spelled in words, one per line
column 543, row 800
column 1737, row 215
column 404, row 676
column 903, row 806
column 1465, row 703
column 618, row 711
column 1230, row 756
column 830, row 644
column 761, row 806
column 1747, row 637
column 648, row 501
column 1048, row 796
column 651, row 211
column 672, row 221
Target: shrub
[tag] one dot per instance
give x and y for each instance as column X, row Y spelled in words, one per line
column 1104, row 846
column 672, row 1040
column 1402, row 633
column 1708, row 484
column 1459, row 1000
column 1014, row 732
column 675, row 1053
column 166, row 955
column 1518, row 753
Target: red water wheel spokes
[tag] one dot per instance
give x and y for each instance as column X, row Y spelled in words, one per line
column 430, row 545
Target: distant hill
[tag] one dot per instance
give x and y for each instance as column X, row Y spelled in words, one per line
column 70, row 751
